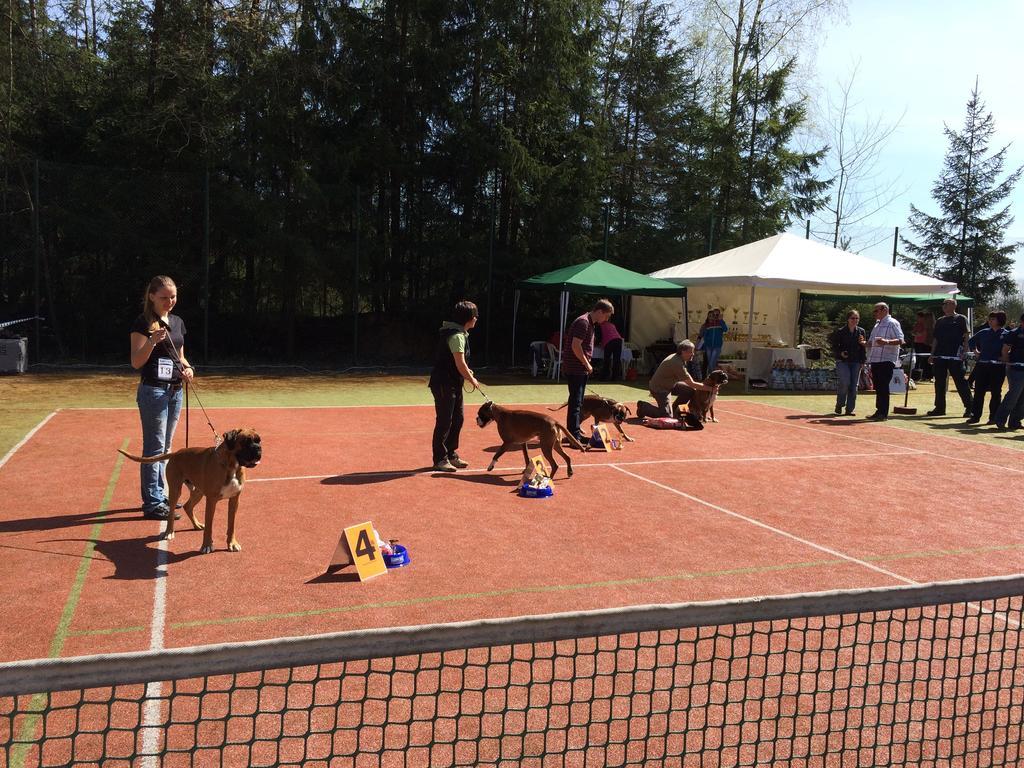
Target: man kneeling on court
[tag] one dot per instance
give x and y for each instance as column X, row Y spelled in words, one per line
column 672, row 378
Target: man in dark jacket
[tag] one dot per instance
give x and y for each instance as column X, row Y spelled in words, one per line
column 446, row 380
column 949, row 337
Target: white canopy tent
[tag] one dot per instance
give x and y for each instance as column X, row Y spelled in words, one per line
column 762, row 282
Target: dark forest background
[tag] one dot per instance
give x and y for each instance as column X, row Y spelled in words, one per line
column 309, row 171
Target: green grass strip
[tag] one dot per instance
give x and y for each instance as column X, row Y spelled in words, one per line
column 27, row 736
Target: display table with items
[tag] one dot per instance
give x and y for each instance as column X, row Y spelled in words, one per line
column 763, row 360
column 784, row 377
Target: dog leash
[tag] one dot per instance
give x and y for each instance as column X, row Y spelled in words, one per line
column 476, row 389
column 189, row 383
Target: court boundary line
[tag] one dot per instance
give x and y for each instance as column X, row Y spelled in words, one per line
column 61, row 632
column 28, row 436
column 564, row 587
column 879, row 442
column 768, row 527
column 507, row 469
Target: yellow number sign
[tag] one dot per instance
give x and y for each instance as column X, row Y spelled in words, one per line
column 358, row 544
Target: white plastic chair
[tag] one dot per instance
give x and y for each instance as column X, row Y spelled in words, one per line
column 555, row 364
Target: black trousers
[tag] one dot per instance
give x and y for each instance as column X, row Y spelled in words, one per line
column 612, row 368
column 448, row 422
column 955, row 370
column 988, row 377
column 577, row 389
column 924, row 359
column 881, row 374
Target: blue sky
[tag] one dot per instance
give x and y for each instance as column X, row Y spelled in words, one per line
column 920, row 59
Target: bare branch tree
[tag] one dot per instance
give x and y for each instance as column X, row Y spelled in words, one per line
column 861, row 185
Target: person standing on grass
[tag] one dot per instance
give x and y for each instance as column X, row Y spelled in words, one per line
column 712, row 338
column 450, row 370
column 950, row 336
column 883, row 352
column 990, row 370
column 611, row 344
column 1011, row 410
column 577, row 350
column 923, row 336
column 849, row 348
column 157, row 344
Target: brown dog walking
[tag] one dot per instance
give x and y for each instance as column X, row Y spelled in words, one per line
column 519, row 427
column 216, row 473
column 603, row 409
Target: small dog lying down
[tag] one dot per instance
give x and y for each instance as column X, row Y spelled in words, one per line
column 519, row 427
column 603, row 409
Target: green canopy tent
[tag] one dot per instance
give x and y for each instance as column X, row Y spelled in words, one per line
column 592, row 277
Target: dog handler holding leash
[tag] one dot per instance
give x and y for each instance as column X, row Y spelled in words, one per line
column 576, row 357
column 158, row 353
column 446, row 381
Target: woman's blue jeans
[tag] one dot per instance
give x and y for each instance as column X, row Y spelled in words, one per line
column 712, row 354
column 847, row 378
column 159, row 408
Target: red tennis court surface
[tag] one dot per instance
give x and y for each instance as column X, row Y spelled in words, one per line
column 767, row 501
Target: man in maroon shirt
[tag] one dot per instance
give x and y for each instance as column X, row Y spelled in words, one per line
column 577, row 349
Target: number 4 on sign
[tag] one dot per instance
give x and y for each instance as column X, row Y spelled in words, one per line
column 358, row 544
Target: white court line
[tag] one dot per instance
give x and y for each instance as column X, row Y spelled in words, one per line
column 151, row 717
column 27, row 437
column 766, row 526
column 517, row 470
column 819, row 430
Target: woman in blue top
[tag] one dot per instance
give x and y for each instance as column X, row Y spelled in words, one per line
column 990, row 370
column 712, row 336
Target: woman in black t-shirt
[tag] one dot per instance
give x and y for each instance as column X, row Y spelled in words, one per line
column 158, row 353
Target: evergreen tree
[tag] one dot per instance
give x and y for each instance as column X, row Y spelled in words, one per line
column 965, row 243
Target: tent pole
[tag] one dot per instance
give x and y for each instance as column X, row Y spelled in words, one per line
column 563, row 318
column 686, row 314
column 515, row 315
column 750, row 338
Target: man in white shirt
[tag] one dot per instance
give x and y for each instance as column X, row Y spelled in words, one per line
column 883, row 355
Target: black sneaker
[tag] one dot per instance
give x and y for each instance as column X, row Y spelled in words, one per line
column 838, row 411
column 878, row 417
column 935, row 412
column 160, row 512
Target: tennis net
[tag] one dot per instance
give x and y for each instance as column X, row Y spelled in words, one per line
column 920, row 675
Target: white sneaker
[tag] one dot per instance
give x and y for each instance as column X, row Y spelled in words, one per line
column 444, row 466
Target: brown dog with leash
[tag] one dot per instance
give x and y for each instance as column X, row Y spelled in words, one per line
column 216, row 473
column 603, row 409
column 519, row 427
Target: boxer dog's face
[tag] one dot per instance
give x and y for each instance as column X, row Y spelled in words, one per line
column 245, row 445
column 484, row 415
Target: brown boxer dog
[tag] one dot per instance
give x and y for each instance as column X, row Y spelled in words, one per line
column 603, row 409
column 216, row 473
column 519, row 427
column 702, row 404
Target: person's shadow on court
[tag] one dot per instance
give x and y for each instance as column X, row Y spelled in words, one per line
column 374, row 477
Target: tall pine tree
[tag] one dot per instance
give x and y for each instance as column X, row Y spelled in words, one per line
column 965, row 243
